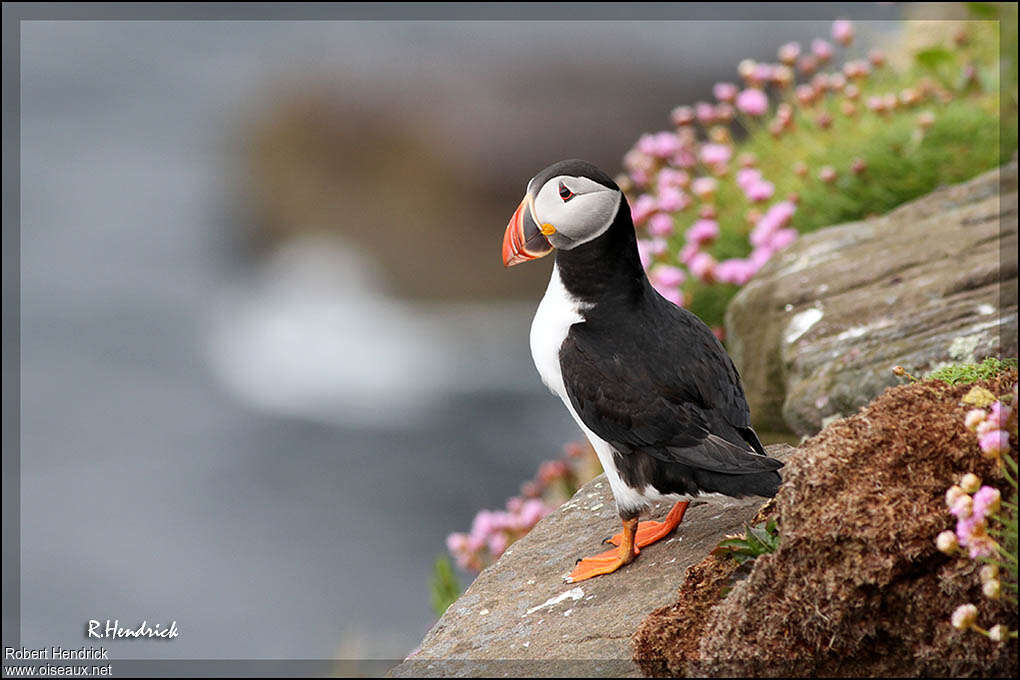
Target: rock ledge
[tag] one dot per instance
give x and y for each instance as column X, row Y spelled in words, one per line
column 519, row 618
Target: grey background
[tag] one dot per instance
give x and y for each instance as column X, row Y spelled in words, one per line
column 280, row 516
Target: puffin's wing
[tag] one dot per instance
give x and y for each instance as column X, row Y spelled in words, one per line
column 680, row 410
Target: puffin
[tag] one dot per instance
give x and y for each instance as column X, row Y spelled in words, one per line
column 647, row 382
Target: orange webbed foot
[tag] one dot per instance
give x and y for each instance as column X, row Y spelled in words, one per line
column 611, row 560
column 651, row 531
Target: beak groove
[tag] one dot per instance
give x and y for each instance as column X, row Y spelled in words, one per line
column 523, row 240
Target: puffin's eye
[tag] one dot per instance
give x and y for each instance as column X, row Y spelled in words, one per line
column 565, row 193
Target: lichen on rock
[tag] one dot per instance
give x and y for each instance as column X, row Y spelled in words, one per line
column 815, row 333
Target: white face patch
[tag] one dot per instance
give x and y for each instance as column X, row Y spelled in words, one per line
column 581, row 218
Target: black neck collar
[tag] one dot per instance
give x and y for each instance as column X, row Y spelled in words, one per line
column 607, row 266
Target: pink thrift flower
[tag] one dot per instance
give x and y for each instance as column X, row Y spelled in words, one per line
column 753, row 102
column 551, row 470
column 807, row 64
column 659, row 246
column 703, row 231
column 748, row 176
column 746, row 68
column 986, row 500
column 643, row 208
column 999, row 415
column 668, row 177
column 667, row 276
column 782, row 238
column 704, row 186
column 688, row 252
column 672, row 199
column 716, row 154
column 789, row 52
column 856, row 69
column 497, row 544
column 646, row 144
column 725, row 92
column 763, row 73
column 456, row 543
column 805, row 94
column 981, row 545
column 724, row 112
column 972, row 532
column 702, row 266
column 761, row 235
column 994, row 443
column 639, row 177
column 684, row 158
column 822, row 49
column 984, row 427
column 705, row 113
column 533, row 511
column 735, row 270
column 782, row 76
column 761, row 190
column 476, row 542
column 500, row 520
column 759, row 256
column 843, row 32
column 666, row 144
column 483, row 524
column 660, row 224
column 781, row 212
column 975, row 417
column 682, row 115
column 963, row 507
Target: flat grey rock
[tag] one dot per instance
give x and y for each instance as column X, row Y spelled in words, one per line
column 519, row 618
column 817, row 332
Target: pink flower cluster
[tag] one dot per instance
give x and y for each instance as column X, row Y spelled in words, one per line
column 969, row 501
column 674, row 171
column 974, row 504
column 493, row 531
column 972, row 513
column 993, row 428
column 674, row 177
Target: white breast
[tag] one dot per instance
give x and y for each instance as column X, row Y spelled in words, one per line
column 557, row 312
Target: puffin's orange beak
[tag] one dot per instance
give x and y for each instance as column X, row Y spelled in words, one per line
column 523, row 240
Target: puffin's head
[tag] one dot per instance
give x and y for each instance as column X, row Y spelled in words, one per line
column 567, row 204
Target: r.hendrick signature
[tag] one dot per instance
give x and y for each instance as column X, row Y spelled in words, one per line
column 114, row 630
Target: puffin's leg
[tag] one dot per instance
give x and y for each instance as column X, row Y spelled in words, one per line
column 611, row 560
column 650, row 532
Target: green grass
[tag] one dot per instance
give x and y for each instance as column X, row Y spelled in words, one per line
column 444, row 587
column 956, row 374
column 973, row 132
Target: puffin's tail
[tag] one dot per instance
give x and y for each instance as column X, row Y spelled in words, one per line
column 756, row 484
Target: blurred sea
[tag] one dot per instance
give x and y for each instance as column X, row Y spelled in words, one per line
column 268, row 451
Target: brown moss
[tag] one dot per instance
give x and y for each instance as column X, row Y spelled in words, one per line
column 667, row 640
column 857, row 587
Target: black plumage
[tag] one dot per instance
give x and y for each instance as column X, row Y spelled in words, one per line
column 650, row 378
